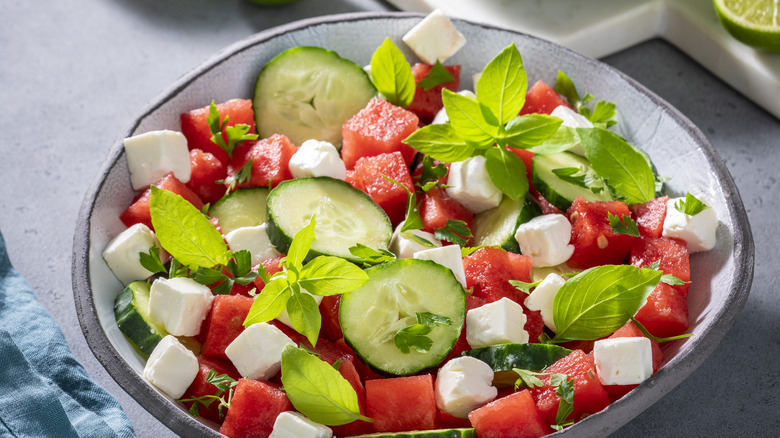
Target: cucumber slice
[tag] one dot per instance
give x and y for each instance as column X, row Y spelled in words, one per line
column 497, row 226
column 345, row 216
column 437, row 433
column 131, row 310
column 372, row 315
column 559, row 192
column 309, row 92
column 503, row 357
column 242, row 208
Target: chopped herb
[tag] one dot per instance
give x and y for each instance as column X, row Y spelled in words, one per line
column 151, row 260
column 454, row 231
column 690, row 206
column 626, row 225
column 523, row 286
column 437, row 76
column 414, row 337
column 653, row 338
column 235, row 134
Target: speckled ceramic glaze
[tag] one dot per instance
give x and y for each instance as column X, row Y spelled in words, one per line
column 721, row 277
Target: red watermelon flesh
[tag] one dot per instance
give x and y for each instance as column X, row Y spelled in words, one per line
column 201, row 387
column 541, row 99
column 378, row 128
column 254, row 409
column 270, row 160
column 401, row 404
column 666, row 312
column 513, row 416
column 357, row 427
column 649, row 216
column 206, row 171
column 224, row 323
column 390, row 196
column 427, row 103
column 138, row 212
column 589, row 394
column 594, row 242
column 672, row 255
column 329, row 311
column 195, row 126
column 437, row 208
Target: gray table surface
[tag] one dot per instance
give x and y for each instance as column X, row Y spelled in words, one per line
column 74, row 72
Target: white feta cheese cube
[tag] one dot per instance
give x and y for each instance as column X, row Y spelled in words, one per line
column 257, row 351
column 122, row 253
column 464, row 384
column 448, row 256
column 253, row 239
column 434, row 38
column 317, row 158
column 623, row 361
column 499, row 322
column 179, row 304
column 404, row 247
column 284, row 317
column 546, row 239
column 470, row 184
column 543, row 296
column 171, row 367
column 698, row 232
column 152, row 155
column 572, row 119
column 442, row 117
column 291, row 424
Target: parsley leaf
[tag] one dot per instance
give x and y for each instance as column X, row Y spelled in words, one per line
column 564, row 390
column 437, row 76
column 454, row 231
column 528, row 379
column 235, row 134
column 626, row 225
column 223, row 382
column 602, row 113
column 523, row 286
column 413, row 219
column 432, row 320
column 414, row 337
column 369, row 256
column 430, row 175
column 151, row 260
column 392, row 74
column 243, row 176
column 419, row 240
column 690, row 206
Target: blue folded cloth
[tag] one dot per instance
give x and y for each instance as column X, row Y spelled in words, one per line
column 44, row 390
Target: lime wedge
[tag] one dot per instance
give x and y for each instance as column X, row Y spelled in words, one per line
column 754, row 22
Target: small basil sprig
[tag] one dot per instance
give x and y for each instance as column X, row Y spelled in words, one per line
column 690, row 206
column 369, row 257
column 317, row 390
column 598, row 301
column 235, row 134
column 323, row 276
column 392, row 75
column 436, row 76
column 602, row 113
column 490, row 123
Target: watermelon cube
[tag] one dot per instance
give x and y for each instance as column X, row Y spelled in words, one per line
column 589, row 394
column 665, row 313
column 390, row 196
column 649, row 216
column 224, row 323
column 201, row 387
column 254, row 409
column 378, row 128
column 541, row 99
column 270, row 160
column 357, row 427
column 427, row 103
column 329, row 312
column 401, row 404
column 206, row 171
column 671, row 254
column 594, row 242
column 437, row 208
column 513, row 416
column 195, row 126
column 138, row 212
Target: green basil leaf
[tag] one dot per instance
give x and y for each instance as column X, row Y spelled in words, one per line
column 468, row 120
column 392, row 75
column 151, row 260
column 326, row 275
column 564, row 86
column 270, row 302
column 301, row 244
column 317, row 390
column 602, row 113
column 530, row 130
column 621, row 164
column 502, row 85
column 563, row 139
column 598, row 301
column 437, row 76
column 440, row 142
column 369, row 256
column 304, row 315
column 185, row 232
column 507, row 171
column 690, row 206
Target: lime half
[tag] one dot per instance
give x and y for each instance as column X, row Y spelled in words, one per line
column 754, row 22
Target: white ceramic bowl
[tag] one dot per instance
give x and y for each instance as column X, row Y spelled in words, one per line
column 721, row 277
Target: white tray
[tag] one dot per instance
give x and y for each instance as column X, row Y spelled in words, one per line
column 601, row 27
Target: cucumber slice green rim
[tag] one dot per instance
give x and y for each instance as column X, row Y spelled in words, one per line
column 497, row 226
column 561, row 193
column 309, row 93
column 242, row 208
column 131, row 310
column 345, row 216
column 372, row 315
column 504, row 357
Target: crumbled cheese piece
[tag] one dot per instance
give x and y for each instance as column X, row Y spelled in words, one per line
column 404, row 247
column 257, row 351
column 623, row 361
column 122, row 253
column 572, row 119
column 434, row 38
column 546, row 239
column 499, row 322
column 543, row 296
column 698, row 232
column 253, row 239
column 171, row 367
column 291, row 424
column 470, row 184
column 179, row 305
column 152, row 155
column 317, row 158
column 448, row 256
column 464, row 384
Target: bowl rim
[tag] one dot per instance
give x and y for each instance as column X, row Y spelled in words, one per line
column 623, row 410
